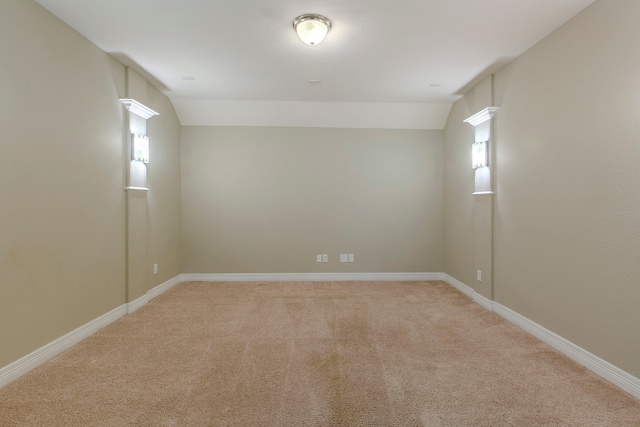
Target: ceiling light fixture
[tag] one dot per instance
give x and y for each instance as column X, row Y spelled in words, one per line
column 311, row 28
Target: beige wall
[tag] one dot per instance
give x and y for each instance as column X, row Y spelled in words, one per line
column 462, row 238
column 62, row 211
column 261, row 200
column 567, row 223
column 62, row 157
column 163, row 198
column 458, row 244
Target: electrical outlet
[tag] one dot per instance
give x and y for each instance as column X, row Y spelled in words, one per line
column 479, row 275
column 344, row 258
column 325, row 258
column 351, row 258
column 318, row 258
column 155, row 268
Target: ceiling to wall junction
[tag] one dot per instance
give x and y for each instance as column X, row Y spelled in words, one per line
column 230, row 62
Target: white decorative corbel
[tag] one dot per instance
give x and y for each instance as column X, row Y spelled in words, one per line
column 137, row 143
column 484, row 115
column 138, row 109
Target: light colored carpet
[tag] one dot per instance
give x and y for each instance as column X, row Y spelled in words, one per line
column 321, row 354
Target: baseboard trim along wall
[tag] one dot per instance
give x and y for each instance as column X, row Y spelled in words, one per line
column 465, row 289
column 137, row 303
column 16, row 369
column 164, row 287
column 606, row 370
column 483, row 301
column 151, row 294
column 308, row 277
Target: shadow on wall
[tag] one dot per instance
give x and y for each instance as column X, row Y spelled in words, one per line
column 123, row 58
column 491, row 69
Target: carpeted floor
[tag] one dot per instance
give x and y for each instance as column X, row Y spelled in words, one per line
column 321, row 354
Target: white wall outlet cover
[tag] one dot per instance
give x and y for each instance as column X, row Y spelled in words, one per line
column 344, row 258
column 318, row 258
column 479, row 275
column 325, row 258
column 351, row 258
column 155, row 268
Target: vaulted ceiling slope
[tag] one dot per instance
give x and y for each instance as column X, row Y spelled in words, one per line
column 384, row 64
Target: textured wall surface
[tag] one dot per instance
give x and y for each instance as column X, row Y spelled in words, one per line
column 261, row 200
column 163, row 179
column 567, row 242
column 458, row 247
column 566, row 223
column 62, row 178
column 62, row 239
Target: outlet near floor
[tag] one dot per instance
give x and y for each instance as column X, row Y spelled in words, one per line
column 322, row 258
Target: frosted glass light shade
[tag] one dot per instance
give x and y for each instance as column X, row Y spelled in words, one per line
column 140, row 148
column 479, row 154
column 311, row 28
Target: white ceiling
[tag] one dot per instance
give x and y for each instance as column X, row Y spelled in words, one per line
column 381, row 56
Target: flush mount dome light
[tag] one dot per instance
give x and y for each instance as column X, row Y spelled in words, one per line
column 311, row 28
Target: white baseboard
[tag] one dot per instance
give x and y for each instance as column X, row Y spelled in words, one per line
column 16, row 369
column 483, row 301
column 137, row 303
column 615, row 375
column 308, row 277
column 606, row 370
column 467, row 290
column 164, row 287
column 152, row 293
column 34, row 359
